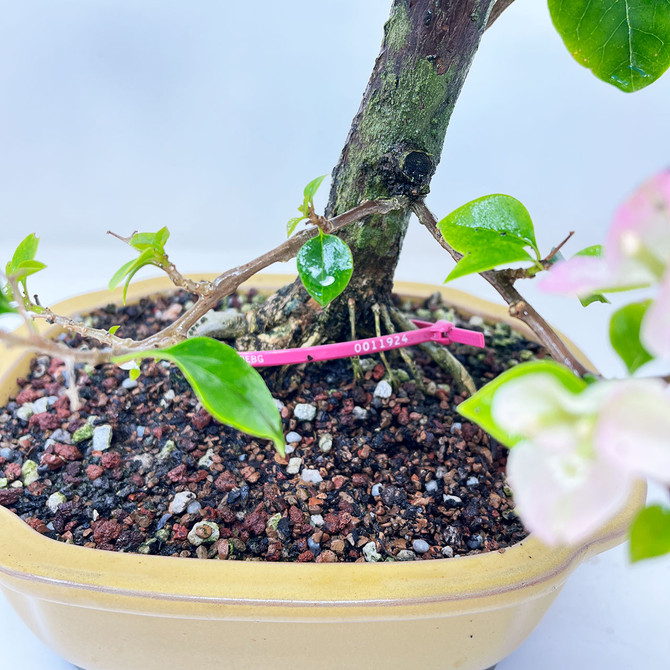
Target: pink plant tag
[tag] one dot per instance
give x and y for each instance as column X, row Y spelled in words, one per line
column 441, row 332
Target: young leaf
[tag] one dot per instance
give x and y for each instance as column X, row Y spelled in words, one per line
column 113, row 329
column 325, row 266
column 156, row 241
column 477, row 408
column 490, row 231
column 650, row 533
column 6, row 305
column 312, row 188
column 131, row 268
column 27, row 268
column 227, row 386
column 625, row 335
column 625, row 43
column 292, row 225
column 24, row 252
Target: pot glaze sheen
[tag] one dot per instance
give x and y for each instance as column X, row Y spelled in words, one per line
column 111, row 611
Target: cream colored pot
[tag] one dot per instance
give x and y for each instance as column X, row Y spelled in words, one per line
column 109, row 611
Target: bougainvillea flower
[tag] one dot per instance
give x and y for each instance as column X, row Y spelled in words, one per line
column 637, row 248
column 580, row 452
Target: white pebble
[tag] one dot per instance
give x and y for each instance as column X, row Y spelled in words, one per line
column 206, row 460
column 102, row 437
column 293, row 467
column 129, row 383
column 383, row 390
column 55, row 500
column 370, row 553
column 360, row 413
column 431, row 486
column 181, row 501
column 326, row 442
column 311, row 476
column 376, row 490
column 304, row 412
column 41, row 405
column 453, row 499
column 317, row 520
column 279, row 403
column 420, row 546
column 293, row 437
column 447, row 552
column 455, row 426
column 472, row 481
column 476, row 321
column 24, row 412
column 193, row 507
column 203, row 532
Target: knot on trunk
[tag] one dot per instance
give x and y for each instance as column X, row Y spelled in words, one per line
column 407, row 171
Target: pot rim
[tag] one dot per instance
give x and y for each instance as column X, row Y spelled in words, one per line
column 529, row 565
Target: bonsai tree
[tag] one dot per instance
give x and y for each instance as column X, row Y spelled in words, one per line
column 347, row 256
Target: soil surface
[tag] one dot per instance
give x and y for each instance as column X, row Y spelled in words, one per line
column 371, row 473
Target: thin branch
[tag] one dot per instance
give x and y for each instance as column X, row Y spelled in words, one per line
column 43, row 345
column 227, row 282
column 497, row 10
column 546, row 261
column 518, row 307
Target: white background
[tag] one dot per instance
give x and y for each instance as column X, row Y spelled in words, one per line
column 209, row 117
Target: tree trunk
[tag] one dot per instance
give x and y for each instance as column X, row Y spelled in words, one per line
column 393, row 148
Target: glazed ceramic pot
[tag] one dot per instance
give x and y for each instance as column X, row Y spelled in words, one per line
column 110, row 611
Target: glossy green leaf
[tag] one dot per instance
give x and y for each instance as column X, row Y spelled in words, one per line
column 594, row 297
column 27, row 268
column 491, row 231
column 325, row 266
column 113, row 329
column 227, row 386
column 312, row 188
column 595, row 250
column 130, row 269
column 134, row 373
column 650, row 533
column 477, row 408
column 293, row 224
column 625, row 43
column 625, row 335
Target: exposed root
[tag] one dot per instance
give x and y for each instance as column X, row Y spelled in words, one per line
column 404, row 353
column 355, row 360
column 378, row 330
column 441, row 355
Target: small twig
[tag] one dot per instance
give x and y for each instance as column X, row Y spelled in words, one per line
column 43, row 345
column 547, row 261
column 123, row 239
column 519, row 308
column 406, row 356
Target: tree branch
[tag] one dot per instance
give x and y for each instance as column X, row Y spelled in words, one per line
column 518, row 307
column 498, row 9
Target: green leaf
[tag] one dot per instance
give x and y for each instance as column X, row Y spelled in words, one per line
column 625, row 335
column 624, row 43
column 156, row 241
column 490, row 231
column 650, row 533
column 134, row 373
column 131, row 268
column 325, row 266
column 477, row 408
column 312, row 188
column 595, row 250
column 227, row 386
column 292, row 225
column 113, row 329
column 24, row 252
column 594, row 297
column 27, row 268
column 6, row 305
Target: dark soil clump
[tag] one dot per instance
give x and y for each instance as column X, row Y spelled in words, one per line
column 143, row 468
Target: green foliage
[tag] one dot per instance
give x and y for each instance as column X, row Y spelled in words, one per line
column 650, row 533
column 307, row 204
column 325, row 266
column 595, row 251
column 152, row 252
column 6, row 305
column 477, row 408
column 625, row 335
column 491, row 231
column 113, row 329
column 23, row 263
column 227, row 386
column 625, row 43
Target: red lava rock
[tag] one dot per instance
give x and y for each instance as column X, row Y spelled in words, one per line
column 199, row 476
column 55, row 366
column 378, row 372
column 326, row 556
column 202, row 419
column 62, row 403
column 338, row 481
column 295, row 515
column 9, row 496
column 359, row 480
column 177, row 474
column 37, row 524
column 27, row 395
column 157, row 432
column 45, row 421
column 68, row 451
column 225, row 482
column 331, row 522
column 179, row 532
column 306, row 557
column 94, row 471
column 12, row 471
column 52, row 461
column 111, row 460
column 109, row 383
column 255, row 522
column 105, row 530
